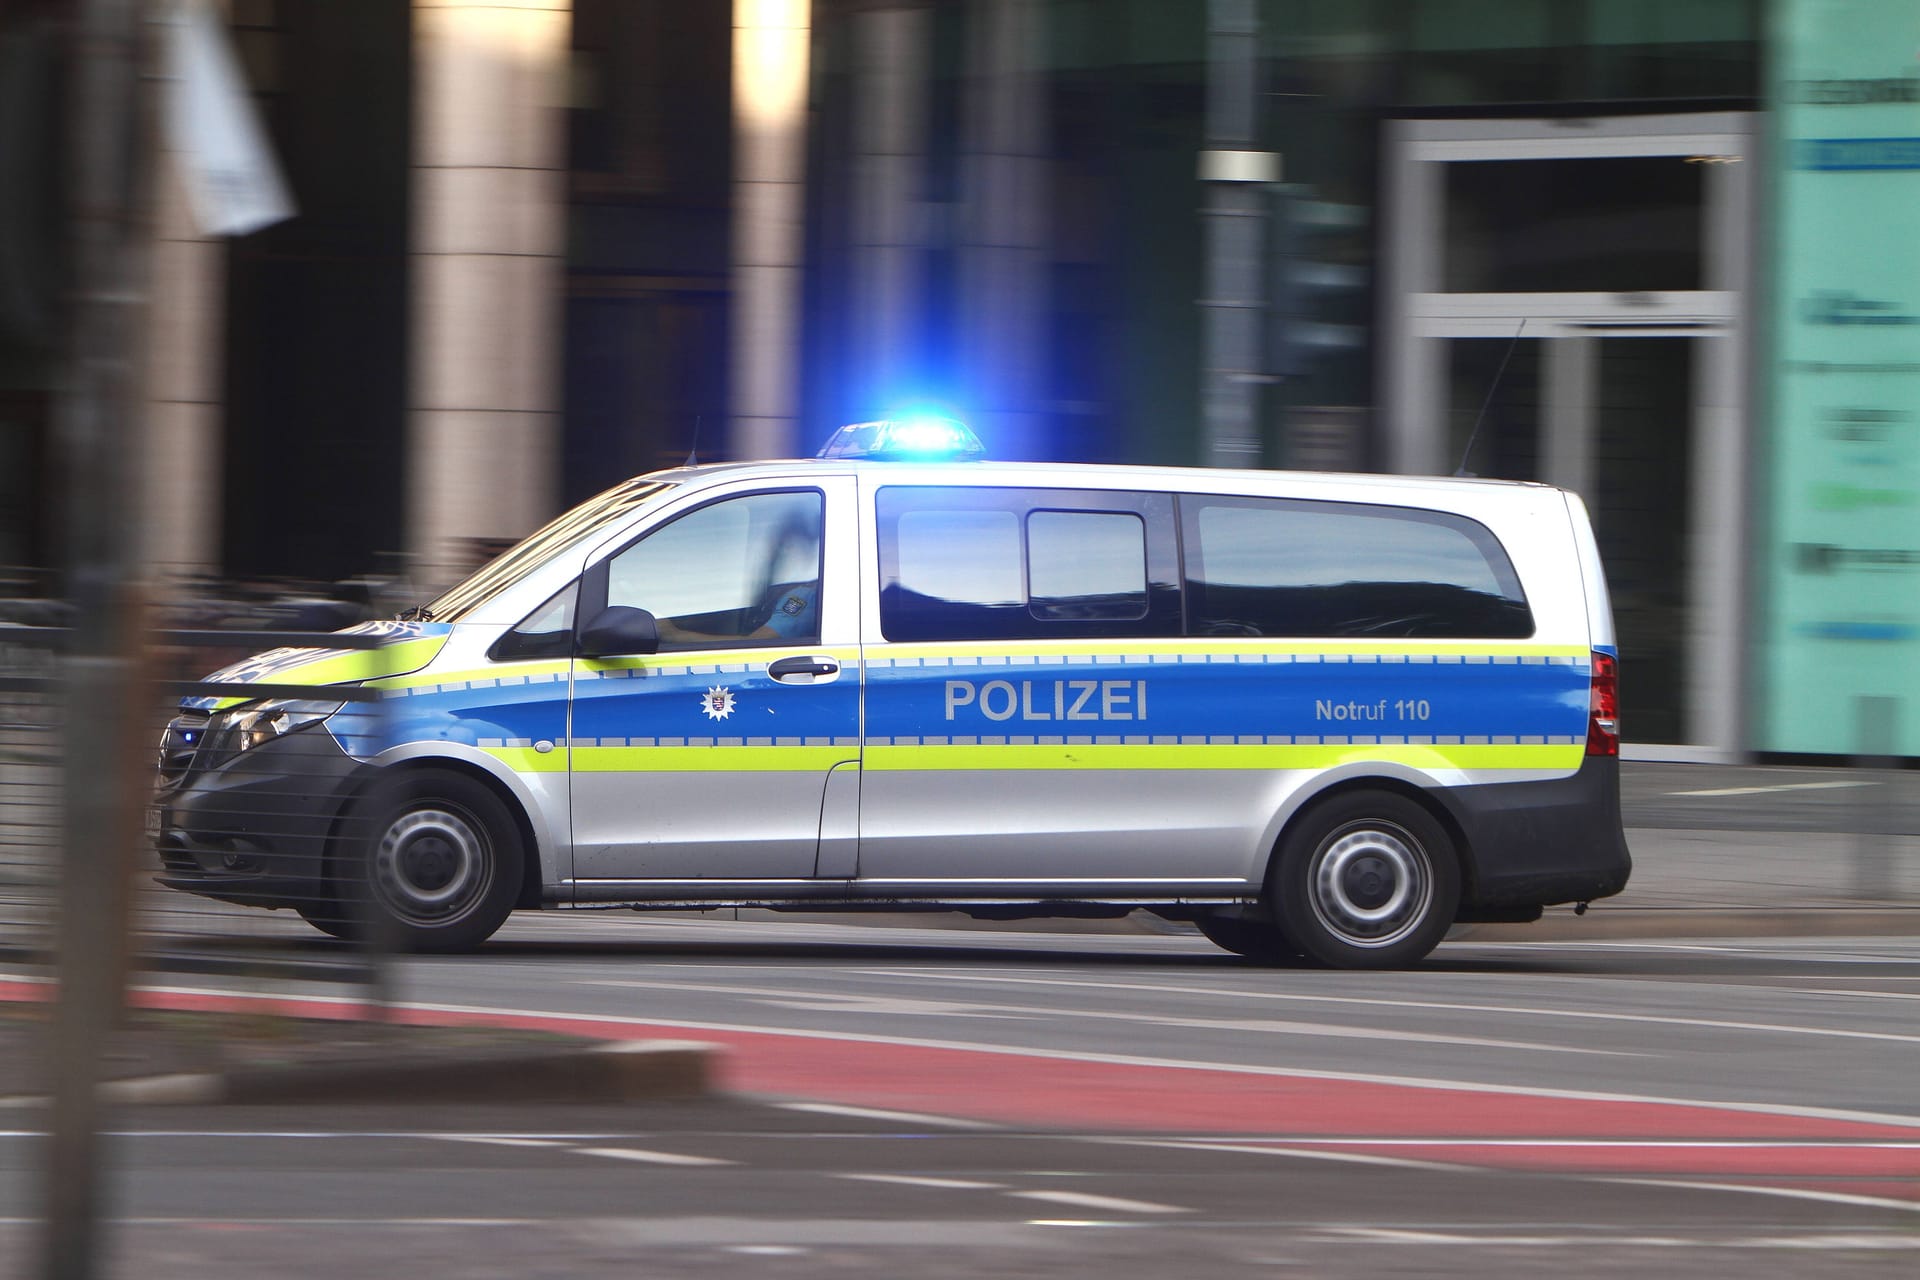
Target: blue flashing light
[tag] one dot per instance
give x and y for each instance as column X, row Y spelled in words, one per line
column 919, row 439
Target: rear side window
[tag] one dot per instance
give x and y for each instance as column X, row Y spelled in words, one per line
column 1008, row 564
column 1283, row 567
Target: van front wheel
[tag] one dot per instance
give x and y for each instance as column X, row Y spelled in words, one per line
column 440, row 863
column 1366, row 880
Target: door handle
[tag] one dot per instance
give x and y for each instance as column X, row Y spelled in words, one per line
column 804, row 668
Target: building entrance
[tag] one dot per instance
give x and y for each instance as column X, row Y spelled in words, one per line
column 1578, row 289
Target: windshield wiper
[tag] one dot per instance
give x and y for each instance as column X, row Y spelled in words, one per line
column 419, row 613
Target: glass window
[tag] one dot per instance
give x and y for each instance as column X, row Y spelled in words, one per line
column 1010, row 564
column 1086, row 564
column 568, row 531
column 547, row 632
column 741, row 571
column 1612, row 224
column 1273, row 567
column 968, row 557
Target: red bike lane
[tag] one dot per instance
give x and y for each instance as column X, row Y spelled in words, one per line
column 1800, row 1151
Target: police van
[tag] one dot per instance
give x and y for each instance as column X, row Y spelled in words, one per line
column 1322, row 717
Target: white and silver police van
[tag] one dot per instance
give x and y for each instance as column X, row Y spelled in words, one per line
column 1321, row 716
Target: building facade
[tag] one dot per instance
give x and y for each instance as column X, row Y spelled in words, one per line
column 1649, row 251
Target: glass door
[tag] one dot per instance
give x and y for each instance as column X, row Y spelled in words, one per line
column 1613, row 418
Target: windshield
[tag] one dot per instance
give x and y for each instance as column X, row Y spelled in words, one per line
column 571, row 529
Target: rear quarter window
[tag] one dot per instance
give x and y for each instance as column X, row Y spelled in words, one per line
column 1298, row 568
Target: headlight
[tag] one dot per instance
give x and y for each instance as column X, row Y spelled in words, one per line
column 251, row 726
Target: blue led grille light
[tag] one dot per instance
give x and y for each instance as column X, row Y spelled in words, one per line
column 906, row 439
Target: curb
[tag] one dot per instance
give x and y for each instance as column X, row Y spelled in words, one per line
column 628, row 1071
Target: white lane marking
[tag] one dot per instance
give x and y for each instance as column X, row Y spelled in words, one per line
column 910, row 1180
column 1258, row 1148
column 201, row 1220
column 875, row 1113
column 1770, row 949
column 1778, row 786
column 856, row 1003
column 767, row 1250
column 1859, row 995
column 1630, row 1144
column 1111, row 1204
column 1852, row 1240
column 504, row 1139
column 611, row 1022
column 1524, row 1011
column 1786, row 1193
column 640, row 1156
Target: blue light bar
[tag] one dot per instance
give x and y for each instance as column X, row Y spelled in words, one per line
column 906, row 440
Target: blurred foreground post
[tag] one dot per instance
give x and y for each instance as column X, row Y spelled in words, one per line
column 1876, row 841
column 107, row 145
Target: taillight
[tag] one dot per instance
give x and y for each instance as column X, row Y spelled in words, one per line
column 1603, row 706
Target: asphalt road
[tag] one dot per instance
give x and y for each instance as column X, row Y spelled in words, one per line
column 988, row 1103
column 731, row 1189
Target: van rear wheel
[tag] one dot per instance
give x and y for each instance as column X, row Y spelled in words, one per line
column 1366, row 880
column 1257, row 940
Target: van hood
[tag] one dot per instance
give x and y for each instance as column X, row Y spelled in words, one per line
column 404, row 648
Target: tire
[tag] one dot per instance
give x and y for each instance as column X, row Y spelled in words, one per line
column 1366, row 880
column 1257, row 940
column 437, row 868
column 327, row 916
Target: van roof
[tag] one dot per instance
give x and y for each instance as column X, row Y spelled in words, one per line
column 1098, row 475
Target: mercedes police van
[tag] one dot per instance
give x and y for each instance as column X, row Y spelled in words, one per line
column 1320, row 716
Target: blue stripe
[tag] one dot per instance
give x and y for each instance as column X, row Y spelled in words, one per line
column 1223, row 699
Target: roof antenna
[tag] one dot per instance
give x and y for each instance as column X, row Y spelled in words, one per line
column 1466, row 453
column 693, row 449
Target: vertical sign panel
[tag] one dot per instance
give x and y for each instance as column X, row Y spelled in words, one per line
column 1843, row 561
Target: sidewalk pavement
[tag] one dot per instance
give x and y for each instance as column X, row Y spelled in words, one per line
column 1756, row 851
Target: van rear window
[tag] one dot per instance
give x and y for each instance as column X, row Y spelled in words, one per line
column 1296, row 568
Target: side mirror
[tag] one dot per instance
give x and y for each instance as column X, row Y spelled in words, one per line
column 619, row 631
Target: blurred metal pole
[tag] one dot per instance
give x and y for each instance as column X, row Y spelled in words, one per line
column 1234, row 218
column 109, row 153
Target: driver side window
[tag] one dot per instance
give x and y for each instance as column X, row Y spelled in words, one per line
column 740, row 571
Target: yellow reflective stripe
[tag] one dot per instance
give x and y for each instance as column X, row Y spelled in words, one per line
column 1224, row 756
column 1118, row 757
column 1225, row 644
column 496, row 672
column 527, row 760
column 345, row 668
column 709, row 759
column 364, row 664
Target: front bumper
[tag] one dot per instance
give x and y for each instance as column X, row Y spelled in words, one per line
column 255, row 827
